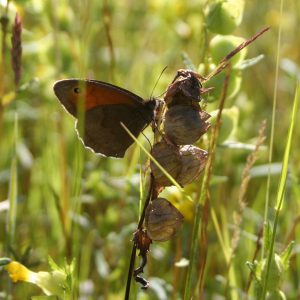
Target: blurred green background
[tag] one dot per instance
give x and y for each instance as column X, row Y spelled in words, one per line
column 128, row 43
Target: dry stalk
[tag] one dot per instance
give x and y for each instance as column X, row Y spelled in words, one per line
column 107, row 28
column 238, row 214
column 205, row 187
column 16, row 51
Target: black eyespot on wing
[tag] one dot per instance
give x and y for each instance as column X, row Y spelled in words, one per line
column 77, row 90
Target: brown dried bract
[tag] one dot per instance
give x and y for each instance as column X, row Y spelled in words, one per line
column 184, row 164
column 168, row 157
column 162, row 220
column 185, row 89
column 184, row 125
column 193, row 160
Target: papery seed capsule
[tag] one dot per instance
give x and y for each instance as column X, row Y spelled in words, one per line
column 193, row 161
column 168, row 157
column 185, row 124
column 162, row 220
column 184, row 90
column 224, row 16
column 221, row 45
column 233, row 87
column 184, row 164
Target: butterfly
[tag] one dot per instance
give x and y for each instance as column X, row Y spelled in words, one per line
column 105, row 107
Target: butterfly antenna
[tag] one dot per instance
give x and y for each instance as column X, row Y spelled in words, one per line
column 147, row 140
column 163, row 70
column 162, row 94
column 158, row 130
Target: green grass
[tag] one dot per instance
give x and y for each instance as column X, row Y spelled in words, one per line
column 66, row 202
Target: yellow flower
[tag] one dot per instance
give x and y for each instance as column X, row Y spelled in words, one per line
column 18, row 272
column 52, row 283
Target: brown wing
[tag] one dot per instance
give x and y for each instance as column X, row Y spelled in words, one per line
column 103, row 131
column 92, row 93
column 105, row 106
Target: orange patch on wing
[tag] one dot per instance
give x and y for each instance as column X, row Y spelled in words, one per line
column 95, row 96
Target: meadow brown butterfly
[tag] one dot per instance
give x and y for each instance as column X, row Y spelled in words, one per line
column 106, row 106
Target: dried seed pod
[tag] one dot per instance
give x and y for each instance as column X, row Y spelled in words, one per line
column 184, row 124
column 193, row 160
column 168, row 157
column 162, row 220
column 184, row 90
column 184, row 164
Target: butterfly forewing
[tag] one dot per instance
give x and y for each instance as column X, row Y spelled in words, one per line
column 105, row 106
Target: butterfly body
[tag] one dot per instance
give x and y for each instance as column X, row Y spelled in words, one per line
column 105, row 106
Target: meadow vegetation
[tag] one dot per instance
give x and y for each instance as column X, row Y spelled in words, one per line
column 60, row 200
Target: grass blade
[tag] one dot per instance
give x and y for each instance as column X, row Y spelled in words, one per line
column 13, row 190
column 273, row 118
column 174, row 182
column 281, row 187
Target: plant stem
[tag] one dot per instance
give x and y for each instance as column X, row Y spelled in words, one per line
column 270, row 158
column 140, row 225
column 281, row 188
column 107, row 28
